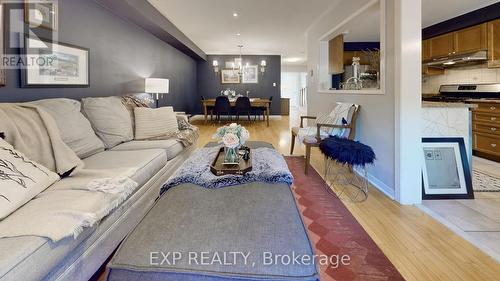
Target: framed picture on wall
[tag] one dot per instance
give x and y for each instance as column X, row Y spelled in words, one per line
column 445, row 171
column 41, row 13
column 2, row 48
column 230, row 76
column 57, row 64
column 250, row 74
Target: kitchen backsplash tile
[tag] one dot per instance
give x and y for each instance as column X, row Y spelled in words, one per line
column 468, row 74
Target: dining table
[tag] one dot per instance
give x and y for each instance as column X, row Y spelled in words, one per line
column 254, row 102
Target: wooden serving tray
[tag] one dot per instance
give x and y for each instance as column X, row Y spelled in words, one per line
column 218, row 167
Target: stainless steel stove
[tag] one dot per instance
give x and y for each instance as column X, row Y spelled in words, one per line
column 462, row 92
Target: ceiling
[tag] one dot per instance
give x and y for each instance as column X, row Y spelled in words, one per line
column 278, row 26
column 271, row 27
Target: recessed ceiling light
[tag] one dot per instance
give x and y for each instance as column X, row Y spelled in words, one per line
column 235, row 14
column 238, row 34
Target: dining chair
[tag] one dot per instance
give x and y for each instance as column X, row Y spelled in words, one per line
column 210, row 108
column 243, row 106
column 261, row 110
column 222, row 106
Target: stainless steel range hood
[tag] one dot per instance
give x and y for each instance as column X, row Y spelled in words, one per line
column 458, row 60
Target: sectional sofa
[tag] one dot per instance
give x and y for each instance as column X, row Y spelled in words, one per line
column 38, row 258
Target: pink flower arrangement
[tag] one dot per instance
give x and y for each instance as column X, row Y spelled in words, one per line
column 232, row 136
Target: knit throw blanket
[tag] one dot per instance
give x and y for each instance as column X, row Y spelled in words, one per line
column 267, row 166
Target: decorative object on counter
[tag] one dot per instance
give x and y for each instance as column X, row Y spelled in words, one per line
column 41, row 14
column 68, row 67
column 485, row 182
column 445, row 170
column 232, row 137
column 354, row 82
column 347, row 154
column 250, row 74
column 230, row 76
column 157, row 87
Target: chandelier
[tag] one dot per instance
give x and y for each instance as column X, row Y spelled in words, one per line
column 238, row 63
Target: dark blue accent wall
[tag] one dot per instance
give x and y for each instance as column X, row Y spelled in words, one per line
column 121, row 54
column 479, row 16
column 209, row 83
column 361, row 46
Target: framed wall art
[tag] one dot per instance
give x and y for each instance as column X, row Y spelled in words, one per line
column 250, row 74
column 445, row 170
column 230, row 76
column 54, row 64
column 41, row 13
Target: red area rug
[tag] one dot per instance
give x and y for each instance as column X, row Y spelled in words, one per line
column 334, row 231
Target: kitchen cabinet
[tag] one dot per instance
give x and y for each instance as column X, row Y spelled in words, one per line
column 426, row 50
column 486, row 130
column 463, row 41
column 336, row 55
column 429, row 71
column 442, row 45
column 470, row 39
column 494, row 43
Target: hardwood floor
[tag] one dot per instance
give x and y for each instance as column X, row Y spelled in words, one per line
column 477, row 220
column 420, row 247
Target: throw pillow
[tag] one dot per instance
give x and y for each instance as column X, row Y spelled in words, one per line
column 153, row 123
column 74, row 128
column 110, row 119
column 20, row 179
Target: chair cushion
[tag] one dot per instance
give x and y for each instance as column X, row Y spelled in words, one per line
column 155, row 122
column 110, row 119
column 75, row 129
column 171, row 146
column 147, row 162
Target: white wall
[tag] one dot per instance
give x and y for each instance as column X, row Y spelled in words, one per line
column 379, row 124
column 376, row 119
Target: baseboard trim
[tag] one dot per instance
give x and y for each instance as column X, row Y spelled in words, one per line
column 378, row 184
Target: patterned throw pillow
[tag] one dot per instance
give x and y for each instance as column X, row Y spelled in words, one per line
column 20, row 178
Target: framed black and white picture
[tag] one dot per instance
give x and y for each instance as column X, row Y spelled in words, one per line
column 41, row 13
column 445, row 171
column 250, row 74
column 53, row 64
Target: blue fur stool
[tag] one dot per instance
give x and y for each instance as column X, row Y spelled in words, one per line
column 348, row 154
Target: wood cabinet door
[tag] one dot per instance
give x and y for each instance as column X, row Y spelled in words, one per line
column 442, row 45
column 471, row 39
column 494, row 43
column 336, row 55
column 426, row 51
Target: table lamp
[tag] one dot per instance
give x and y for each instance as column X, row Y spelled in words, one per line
column 157, row 87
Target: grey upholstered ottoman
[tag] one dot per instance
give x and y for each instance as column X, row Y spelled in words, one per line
column 246, row 232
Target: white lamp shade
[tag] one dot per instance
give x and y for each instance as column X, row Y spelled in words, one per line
column 156, row 85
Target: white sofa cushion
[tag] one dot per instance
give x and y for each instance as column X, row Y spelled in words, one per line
column 110, row 119
column 75, row 129
column 155, row 122
column 20, row 178
column 146, row 162
column 172, row 146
